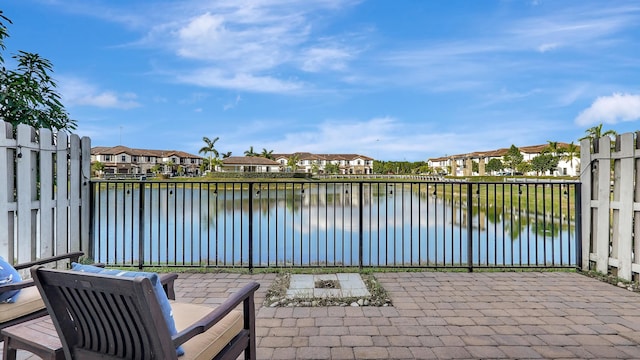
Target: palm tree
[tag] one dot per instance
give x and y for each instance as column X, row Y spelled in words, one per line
column 226, row 155
column 595, row 133
column 571, row 152
column 292, row 162
column 250, row 152
column 268, row 154
column 553, row 148
column 209, row 148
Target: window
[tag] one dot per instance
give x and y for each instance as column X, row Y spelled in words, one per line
column 134, row 159
column 148, row 158
column 107, row 157
column 123, row 158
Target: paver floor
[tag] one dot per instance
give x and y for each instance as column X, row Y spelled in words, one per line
column 515, row 315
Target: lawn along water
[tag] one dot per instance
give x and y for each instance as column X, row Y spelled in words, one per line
column 336, row 224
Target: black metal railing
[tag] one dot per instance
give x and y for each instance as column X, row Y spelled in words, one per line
column 336, row 224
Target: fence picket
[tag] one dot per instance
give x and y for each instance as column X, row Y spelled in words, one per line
column 7, row 202
column 36, row 193
column 611, row 212
column 47, row 203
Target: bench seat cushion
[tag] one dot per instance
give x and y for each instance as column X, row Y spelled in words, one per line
column 209, row 343
column 28, row 302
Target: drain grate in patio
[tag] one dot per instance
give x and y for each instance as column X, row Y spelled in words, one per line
column 342, row 289
column 320, row 286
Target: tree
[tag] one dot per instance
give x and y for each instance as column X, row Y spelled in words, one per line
column 156, row 169
column 494, row 165
column 553, row 148
column 572, row 152
column 267, row 154
column 292, row 162
column 315, row 167
column 97, row 168
column 27, row 94
column 171, row 165
column 226, row 155
column 544, row 162
column 250, row 152
column 475, row 167
column 524, row 167
column 331, row 168
column 209, row 148
column 595, row 133
column 512, row 158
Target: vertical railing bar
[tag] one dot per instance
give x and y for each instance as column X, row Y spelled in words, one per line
column 528, row 227
column 386, row 229
column 150, row 206
column 208, row 224
column 141, row 226
column 460, row 239
column 252, row 242
column 183, row 236
column 302, row 224
column 469, row 228
column 553, row 248
column 519, row 224
column 168, row 215
column 560, row 237
column 326, row 217
column 91, row 253
column 435, row 210
column 544, row 222
column 361, row 225
column 277, row 217
column 318, row 259
column 537, row 220
column 577, row 188
column 250, row 219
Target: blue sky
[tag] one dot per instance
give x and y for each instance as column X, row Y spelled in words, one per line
column 394, row 80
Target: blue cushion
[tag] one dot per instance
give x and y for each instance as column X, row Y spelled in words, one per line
column 8, row 275
column 157, row 287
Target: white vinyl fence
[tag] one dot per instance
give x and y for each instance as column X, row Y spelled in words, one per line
column 611, row 205
column 44, row 193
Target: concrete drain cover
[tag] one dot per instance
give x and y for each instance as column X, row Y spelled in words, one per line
column 313, row 286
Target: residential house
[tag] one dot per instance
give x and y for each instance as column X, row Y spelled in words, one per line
column 461, row 164
column 316, row 163
column 124, row 160
column 249, row 164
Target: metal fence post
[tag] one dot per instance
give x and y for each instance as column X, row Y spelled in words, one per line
column 360, row 224
column 141, row 197
column 578, row 215
column 250, row 227
column 470, row 227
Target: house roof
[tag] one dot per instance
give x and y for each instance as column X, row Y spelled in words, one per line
column 249, row 160
column 532, row 149
column 120, row 149
column 326, row 157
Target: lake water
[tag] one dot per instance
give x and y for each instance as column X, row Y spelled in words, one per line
column 332, row 224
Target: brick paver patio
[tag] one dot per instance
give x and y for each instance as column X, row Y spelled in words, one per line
column 512, row 315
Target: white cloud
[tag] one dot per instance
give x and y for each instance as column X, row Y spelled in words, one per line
column 232, row 104
column 78, row 92
column 320, row 59
column 215, row 78
column 547, row 47
column 611, row 109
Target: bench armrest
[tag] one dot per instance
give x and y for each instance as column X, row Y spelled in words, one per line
column 72, row 256
column 243, row 296
column 167, row 279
